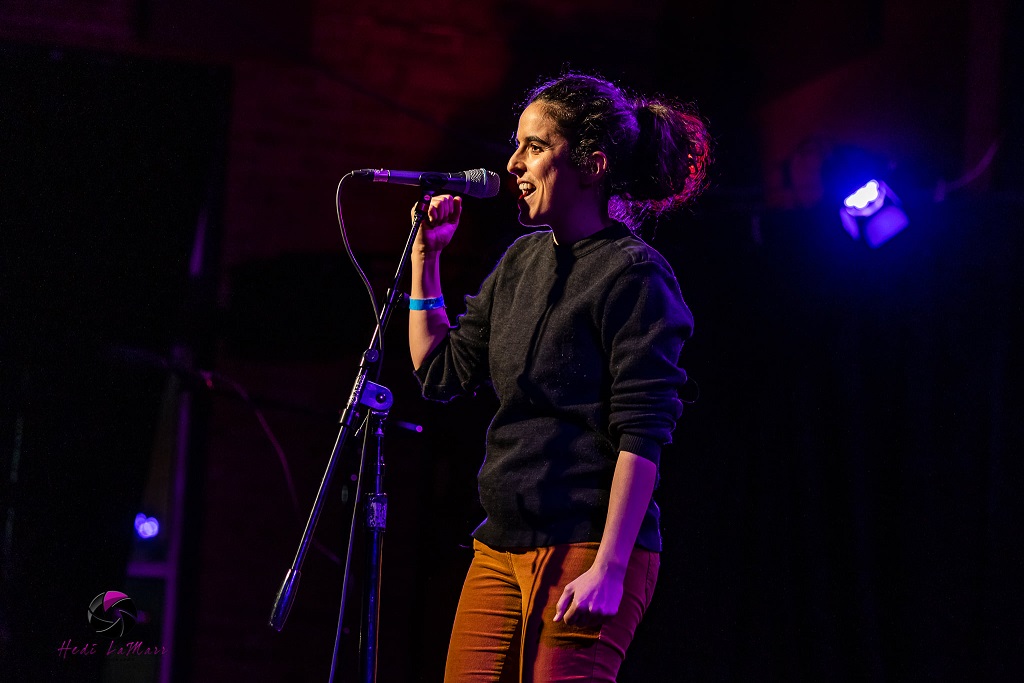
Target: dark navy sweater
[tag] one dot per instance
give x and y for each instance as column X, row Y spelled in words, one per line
column 581, row 343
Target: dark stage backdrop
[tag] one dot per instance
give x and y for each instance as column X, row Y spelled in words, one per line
column 105, row 164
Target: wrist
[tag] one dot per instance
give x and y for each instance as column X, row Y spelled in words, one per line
column 423, row 253
column 611, row 567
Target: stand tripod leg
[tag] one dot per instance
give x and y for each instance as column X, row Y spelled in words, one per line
column 376, row 510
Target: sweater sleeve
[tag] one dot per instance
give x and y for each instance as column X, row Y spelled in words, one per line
column 644, row 327
column 460, row 364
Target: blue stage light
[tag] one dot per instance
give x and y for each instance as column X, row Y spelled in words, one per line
column 873, row 213
column 855, row 179
column 146, row 527
column 866, row 196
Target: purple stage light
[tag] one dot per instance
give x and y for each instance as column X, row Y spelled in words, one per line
column 146, row 527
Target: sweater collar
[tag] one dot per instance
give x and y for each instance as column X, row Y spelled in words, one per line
column 588, row 244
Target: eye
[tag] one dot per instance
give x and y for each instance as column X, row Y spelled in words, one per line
column 534, row 147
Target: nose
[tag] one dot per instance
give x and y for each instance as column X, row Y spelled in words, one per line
column 515, row 163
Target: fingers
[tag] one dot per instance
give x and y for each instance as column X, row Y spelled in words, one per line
column 565, row 603
column 573, row 616
column 577, row 615
column 583, row 617
column 440, row 221
column 570, row 611
column 456, row 209
column 578, row 608
column 444, row 208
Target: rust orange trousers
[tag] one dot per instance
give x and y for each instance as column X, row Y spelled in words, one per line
column 504, row 631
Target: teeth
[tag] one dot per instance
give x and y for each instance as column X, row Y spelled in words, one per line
column 525, row 187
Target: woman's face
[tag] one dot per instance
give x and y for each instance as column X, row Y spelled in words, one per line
column 550, row 185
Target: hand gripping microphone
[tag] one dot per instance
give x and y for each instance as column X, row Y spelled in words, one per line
column 478, row 182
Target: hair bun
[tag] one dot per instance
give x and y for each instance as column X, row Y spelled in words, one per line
column 669, row 161
column 672, row 150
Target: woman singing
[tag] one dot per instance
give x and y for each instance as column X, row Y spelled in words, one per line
column 579, row 330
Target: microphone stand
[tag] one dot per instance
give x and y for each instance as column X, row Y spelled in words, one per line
column 378, row 400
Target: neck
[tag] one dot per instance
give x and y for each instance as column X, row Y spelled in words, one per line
column 582, row 224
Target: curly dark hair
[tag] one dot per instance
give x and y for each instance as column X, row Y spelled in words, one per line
column 658, row 149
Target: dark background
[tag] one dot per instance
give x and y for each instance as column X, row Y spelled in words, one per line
column 842, row 501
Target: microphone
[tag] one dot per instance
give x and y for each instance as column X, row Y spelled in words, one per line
column 478, row 182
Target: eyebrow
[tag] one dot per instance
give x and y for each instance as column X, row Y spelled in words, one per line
column 531, row 138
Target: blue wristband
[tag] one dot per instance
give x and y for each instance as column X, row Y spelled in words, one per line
column 426, row 304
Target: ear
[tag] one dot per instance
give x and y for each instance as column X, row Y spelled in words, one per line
column 594, row 168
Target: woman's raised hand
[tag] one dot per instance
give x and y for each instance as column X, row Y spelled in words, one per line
column 439, row 226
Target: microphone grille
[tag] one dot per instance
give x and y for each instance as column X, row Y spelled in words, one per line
column 482, row 183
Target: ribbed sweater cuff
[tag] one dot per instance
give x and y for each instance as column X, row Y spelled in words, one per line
column 642, row 446
column 424, row 368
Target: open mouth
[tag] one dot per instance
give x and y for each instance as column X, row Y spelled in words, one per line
column 525, row 190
